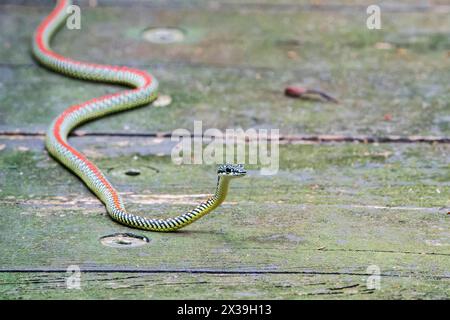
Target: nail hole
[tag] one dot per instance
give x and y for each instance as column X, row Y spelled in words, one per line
column 124, row 240
column 163, row 35
column 133, row 172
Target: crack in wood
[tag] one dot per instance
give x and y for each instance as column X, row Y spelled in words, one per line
column 344, row 287
column 216, row 272
column 388, row 251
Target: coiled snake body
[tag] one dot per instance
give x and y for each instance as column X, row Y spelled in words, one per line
column 144, row 91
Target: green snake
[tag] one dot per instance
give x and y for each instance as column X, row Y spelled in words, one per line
column 144, row 90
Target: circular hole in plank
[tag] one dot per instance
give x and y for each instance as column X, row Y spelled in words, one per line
column 163, row 35
column 124, row 240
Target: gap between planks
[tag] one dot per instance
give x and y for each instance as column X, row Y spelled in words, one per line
column 277, row 7
column 284, row 139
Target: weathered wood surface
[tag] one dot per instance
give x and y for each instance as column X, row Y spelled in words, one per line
column 311, row 231
column 234, row 65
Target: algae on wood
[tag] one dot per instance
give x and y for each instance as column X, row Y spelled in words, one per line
column 333, row 210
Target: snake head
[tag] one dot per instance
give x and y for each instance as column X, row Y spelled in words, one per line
column 231, row 170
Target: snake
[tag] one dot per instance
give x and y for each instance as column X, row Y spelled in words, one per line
column 142, row 90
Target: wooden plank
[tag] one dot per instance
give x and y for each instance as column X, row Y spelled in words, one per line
column 224, row 286
column 396, row 174
column 334, row 210
column 232, row 69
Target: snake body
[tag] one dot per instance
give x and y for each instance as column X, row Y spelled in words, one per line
column 144, row 90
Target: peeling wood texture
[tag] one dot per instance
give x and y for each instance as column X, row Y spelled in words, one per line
column 361, row 183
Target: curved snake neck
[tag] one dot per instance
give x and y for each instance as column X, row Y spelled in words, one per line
column 144, row 91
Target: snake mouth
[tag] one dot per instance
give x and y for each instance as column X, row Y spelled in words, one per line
column 231, row 170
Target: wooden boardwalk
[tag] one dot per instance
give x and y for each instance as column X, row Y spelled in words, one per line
column 336, row 210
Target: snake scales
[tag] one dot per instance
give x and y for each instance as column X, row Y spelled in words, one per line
column 144, row 90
